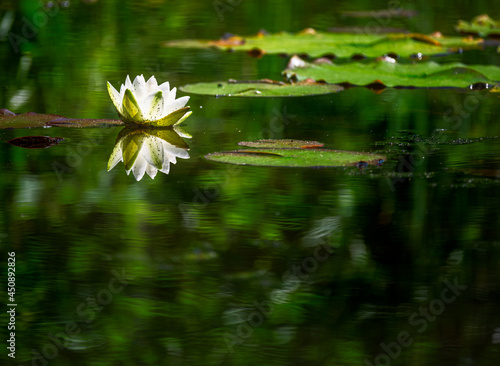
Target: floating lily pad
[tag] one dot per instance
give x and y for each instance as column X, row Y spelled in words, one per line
column 286, row 143
column 386, row 13
column 10, row 120
column 481, row 25
column 298, row 158
column 390, row 74
column 260, row 88
column 85, row 122
column 343, row 45
column 35, row 142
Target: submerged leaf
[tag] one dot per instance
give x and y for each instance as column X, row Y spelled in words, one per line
column 35, row 142
column 258, row 88
column 316, row 44
column 391, row 74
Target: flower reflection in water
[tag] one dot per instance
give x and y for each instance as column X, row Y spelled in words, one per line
column 148, row 150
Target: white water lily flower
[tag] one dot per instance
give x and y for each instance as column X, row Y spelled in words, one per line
column 147, row 103
column 147, row 151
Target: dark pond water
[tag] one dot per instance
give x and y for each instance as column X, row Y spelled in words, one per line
column 216, row 265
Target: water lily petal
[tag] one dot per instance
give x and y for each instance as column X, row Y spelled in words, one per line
column 122, row 91
column 175, row 105
column 180, row 121
column 170, row 97
column 151, row 85
column 140, row 87
column 170, row 119
column 151, row 171
column 170, row 135
column 139, row 167
column 172, row 152
column 165, row 87
column 115, row 96
column 128, row 83
column 152, row 151
column 116, row 156
column 132, row 145
column 130, row 108
column 153, row 107
column 166, row 166
column 181, row 131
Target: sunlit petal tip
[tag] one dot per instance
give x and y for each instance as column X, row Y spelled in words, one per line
column 165, row 87
column 139, row 78
column 183, row 101
column 151, row 85
column 174, row 105
column 182, row 119
column 152, row 79
column 128, row 83
column 114, row 95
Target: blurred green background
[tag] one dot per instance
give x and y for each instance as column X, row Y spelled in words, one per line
column 202, row 247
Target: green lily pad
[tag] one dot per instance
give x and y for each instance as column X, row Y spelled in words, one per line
column 10, row 120
column 343, row 45
column 297, row 158
column 386, row 13
column 84, row 122
column 390, row 74
column 259, row 88
column 481, row 25
column 281, row 144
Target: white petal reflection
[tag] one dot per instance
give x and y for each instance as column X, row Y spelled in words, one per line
column 148, row 151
